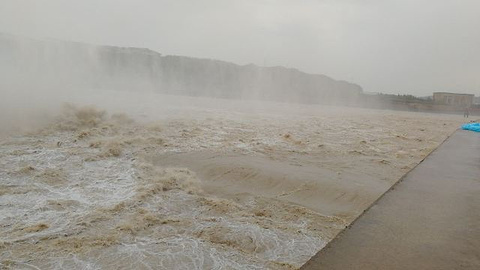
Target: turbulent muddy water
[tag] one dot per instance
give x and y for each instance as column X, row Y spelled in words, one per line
column 231, row 186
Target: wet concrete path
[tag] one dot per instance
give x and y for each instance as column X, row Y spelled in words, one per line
column 429, row 220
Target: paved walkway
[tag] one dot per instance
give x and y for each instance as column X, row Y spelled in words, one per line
column 430, row 220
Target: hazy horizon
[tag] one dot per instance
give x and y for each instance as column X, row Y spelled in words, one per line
column 399, row 47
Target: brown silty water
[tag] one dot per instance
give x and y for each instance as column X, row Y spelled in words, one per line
column 201, row 186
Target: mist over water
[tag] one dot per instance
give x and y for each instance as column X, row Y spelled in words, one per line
column 57, row 69
column 121, row 157
column 116, row 152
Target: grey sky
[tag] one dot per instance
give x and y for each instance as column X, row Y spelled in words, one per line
column 392, row 46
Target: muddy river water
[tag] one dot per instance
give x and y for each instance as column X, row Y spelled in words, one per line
column 191, row 184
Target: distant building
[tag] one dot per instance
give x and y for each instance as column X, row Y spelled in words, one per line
column 476, row 101
column 453, row 99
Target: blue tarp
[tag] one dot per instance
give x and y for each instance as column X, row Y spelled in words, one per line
column 472, row 126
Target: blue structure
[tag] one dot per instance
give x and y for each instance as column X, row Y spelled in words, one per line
column 472, row 126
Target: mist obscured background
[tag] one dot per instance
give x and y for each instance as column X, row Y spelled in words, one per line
column 391, row 46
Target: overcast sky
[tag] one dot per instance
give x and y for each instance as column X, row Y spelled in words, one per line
column 391, row 46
